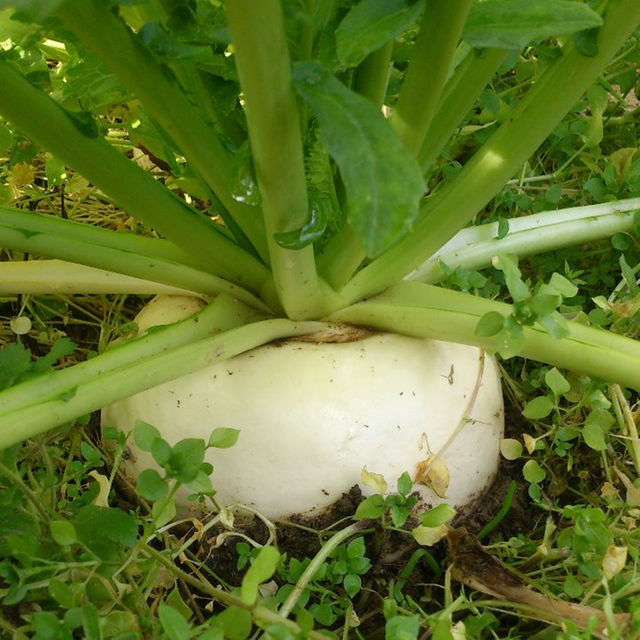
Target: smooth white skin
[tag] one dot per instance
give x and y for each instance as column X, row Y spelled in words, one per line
column 311, row 416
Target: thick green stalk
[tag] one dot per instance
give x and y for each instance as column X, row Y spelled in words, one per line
column 372, row 76
column 57, row 277
column 341, row 257
column 262, row 61
column 473, row 248
column 56, row 238
column 222, row 314
column 101, row 30
column 100, row 389
column 424, row 81
column 501, row 156
column 459, row 95
column 423, row 310
column 31, row 223
column 79, row 145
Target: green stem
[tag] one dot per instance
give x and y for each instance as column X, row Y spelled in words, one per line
column 103, row 32
column 473, row 248
column 372, row 76
column 74, row 242
column 79, row 145
column 318, row 560
column 341, row 257
column 423, row 310
column 260, row 613
column 56, row 277
column 262, row 61
column 34, row 224
column 221, row 314
column 459, row 95
column 100, row 389
column 501, row 156
column 424, row 81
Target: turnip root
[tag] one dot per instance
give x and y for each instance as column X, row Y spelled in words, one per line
column 313, row 415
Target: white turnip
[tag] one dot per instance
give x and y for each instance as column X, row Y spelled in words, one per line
column 313, row 415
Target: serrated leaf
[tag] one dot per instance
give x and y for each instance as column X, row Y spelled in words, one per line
column 517, row 23
column 382, row 181
column 372, row 23
column 260, row 571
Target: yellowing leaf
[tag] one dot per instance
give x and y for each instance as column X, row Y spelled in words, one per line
column 374, row 481
column 433, row 473
column 529, row 443
column 102, row 499
column 22, row 174
column 428, row 536
column 510, row 449
column 613, row 561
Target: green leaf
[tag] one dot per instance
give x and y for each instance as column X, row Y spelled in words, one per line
column 371, row 507
column 145, row 435
column 404, row 484
column 262, row 568
column 163, row 512
column 163, row 45
column 93, row 523
column 161, row 451
column 586, row 42
column 372, row 23
column 556, row 382
column 402, row 628
column 55, row 171
column 15, row 361
column 438, row 515
column 562, row 285
column 173, row 624
column 63, row 532
column 490, row 324
column 201, row 483
column 533, row 472
column 186, row 458
column 223, row 437
column 236, row 623
column 508, row 264
column 352, row 584
column 538, row 408
column 595, row 429
column 382, row 181
column 514, row 24
column 151, row 485
column 61, row 593
column 503, row 228
column 91, row 622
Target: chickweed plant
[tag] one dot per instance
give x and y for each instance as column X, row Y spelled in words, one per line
column 463, row 171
